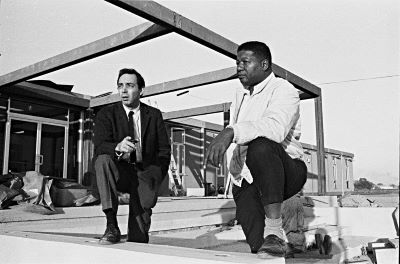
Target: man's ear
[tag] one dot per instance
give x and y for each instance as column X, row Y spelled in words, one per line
column 265, row 64
column 141, row 92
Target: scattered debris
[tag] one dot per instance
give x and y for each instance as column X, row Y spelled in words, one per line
column 356, row 201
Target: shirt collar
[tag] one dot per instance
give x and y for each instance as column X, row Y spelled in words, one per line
column 135, row 111
column 259, row 87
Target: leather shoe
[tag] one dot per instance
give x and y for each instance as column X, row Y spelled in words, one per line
column 112, row 235
column 273, row 246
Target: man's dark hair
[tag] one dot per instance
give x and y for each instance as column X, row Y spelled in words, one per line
column 260, row 49
column 140, row 80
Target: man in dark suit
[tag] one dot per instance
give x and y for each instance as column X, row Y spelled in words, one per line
column 132, row 154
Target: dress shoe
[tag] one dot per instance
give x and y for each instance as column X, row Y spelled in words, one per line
column 318, row 243
column 273, row 246
column 112, row 235
column 327, row 244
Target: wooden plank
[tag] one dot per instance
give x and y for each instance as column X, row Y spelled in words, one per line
column 196, row 123
column 320, row 146
column 161, row 15
column 94, row 49
column 298, row 82
column 209, row 109
column 181, row 84
column 176, row 85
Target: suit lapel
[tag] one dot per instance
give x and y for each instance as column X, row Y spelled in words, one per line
column 144, row 119
column 121, row 115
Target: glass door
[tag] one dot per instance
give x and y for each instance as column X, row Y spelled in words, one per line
column 52, row 150
column 22, row 147
column 36, row 144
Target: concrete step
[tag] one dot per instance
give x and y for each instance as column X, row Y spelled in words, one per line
column 54, row 249
column 363, row 221
column 29, row 212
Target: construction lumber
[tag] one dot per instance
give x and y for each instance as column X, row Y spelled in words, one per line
column 163, row 16
column 94, row 49
column 176, row 85
column 209, row 109
column 320, row 146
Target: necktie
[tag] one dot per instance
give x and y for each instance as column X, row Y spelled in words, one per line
column 134, row 134
column 131, row 124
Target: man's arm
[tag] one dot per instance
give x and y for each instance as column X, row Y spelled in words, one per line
column 217, row 148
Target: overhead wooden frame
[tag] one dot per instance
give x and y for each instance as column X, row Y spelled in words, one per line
column 126, row 38
column 161, row 15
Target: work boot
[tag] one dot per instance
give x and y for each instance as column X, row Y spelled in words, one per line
column 273, row 246
column 112, row 235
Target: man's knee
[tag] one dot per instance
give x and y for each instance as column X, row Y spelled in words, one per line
column 262, row 147
column 102, row 160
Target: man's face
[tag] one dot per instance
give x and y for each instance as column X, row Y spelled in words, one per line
column 251, row 70
column 129, row 90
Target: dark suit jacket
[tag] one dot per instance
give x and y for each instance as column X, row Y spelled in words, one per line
column 111, row 127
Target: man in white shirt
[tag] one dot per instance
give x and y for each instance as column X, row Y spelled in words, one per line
column 262, row 147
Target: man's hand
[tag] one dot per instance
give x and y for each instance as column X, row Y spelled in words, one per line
column 126, row 145
column 216, row 150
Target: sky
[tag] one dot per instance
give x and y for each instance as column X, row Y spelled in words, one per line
column 349, row 48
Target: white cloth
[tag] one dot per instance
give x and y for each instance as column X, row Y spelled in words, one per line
column 271, row 111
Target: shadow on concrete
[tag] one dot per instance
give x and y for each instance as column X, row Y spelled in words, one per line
column 67, row 234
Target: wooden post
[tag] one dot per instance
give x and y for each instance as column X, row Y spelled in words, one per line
column 89, row 176
column 320, row 146
column 227, row 178
column 203, row 138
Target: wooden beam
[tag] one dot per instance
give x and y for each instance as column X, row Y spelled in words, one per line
column 203, row 110
column 298, row 82
column 320, row 146
column 161, row 15
column 94, row 49
column 181, row 84
column 176, row 85
column 191, row 122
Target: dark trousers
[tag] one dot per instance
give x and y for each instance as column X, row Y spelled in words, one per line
column 276, row 177
column 113, row 177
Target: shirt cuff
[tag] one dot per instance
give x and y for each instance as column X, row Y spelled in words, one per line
column 234, row 140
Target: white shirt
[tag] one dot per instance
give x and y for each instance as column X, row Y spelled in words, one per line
column 137, row 123
column 271, row 111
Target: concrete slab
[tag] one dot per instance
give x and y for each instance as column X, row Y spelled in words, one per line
column 193, row 223
column 44, row 250
column 363, row 221
column 26, row 212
